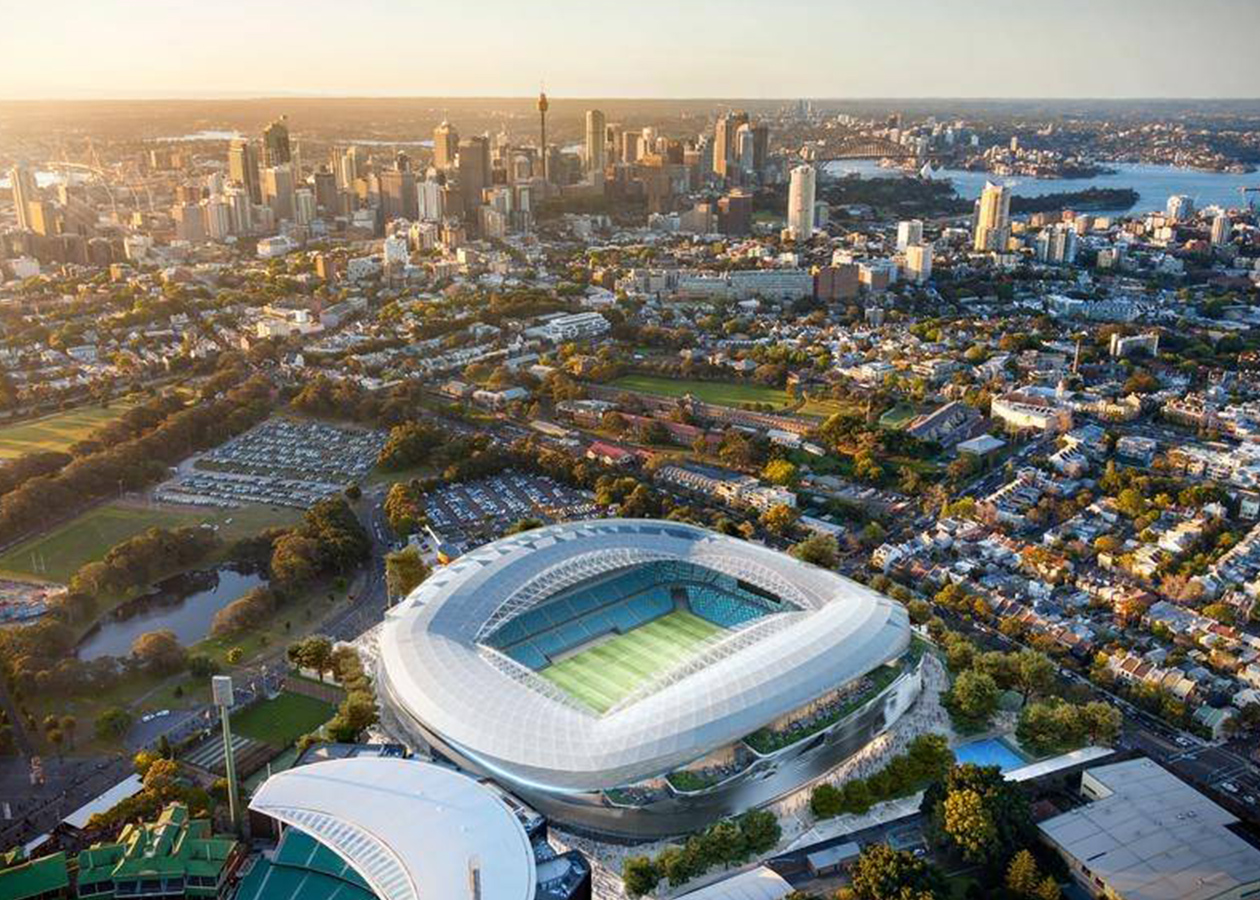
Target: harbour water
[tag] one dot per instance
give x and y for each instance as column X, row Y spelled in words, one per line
column 1154, row 184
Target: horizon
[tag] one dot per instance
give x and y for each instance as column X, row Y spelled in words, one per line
column 110, row 49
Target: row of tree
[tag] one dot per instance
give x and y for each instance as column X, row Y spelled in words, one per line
column 132, row 464
column 927, row 759
column 729, row 842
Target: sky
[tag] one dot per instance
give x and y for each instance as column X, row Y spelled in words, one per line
column 633, row 48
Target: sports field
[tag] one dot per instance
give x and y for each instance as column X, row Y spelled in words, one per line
column 719, row 393
column 282, row 720
column 58, row 554
column 608, row 671
column 58, row 431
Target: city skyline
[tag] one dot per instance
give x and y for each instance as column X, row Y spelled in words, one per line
column 851, row 51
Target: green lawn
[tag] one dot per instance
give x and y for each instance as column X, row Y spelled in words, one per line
column 898, row 417
column 58, row 554
column 282, row 721
column 720, row 393
column 58, row 431
column 824, row 408
column 604, row 674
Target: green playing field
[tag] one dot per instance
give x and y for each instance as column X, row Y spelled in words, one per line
column 608, row 671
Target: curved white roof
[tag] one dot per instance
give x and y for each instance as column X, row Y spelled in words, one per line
column 413, row 830
column 518, row 726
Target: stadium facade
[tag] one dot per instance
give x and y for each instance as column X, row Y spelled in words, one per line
column 638, row 678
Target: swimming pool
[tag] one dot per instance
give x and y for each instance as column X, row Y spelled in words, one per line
column 990, row 752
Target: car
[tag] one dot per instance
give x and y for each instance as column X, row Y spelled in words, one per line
column 1229, row 786
column 1182, row 741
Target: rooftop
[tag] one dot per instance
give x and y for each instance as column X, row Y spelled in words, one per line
column 1151, row 836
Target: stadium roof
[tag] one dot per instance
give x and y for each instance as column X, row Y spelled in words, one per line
column 412, row 830
column 518, row 725
column 762, row 883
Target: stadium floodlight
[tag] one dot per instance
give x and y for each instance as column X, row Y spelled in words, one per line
column 225, row 699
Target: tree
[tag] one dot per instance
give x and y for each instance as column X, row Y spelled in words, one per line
column 977, row 812
column 1022, row 874
column 404, row 571
column 974, row 696
column 882, row 873
column 159, row 652
column 1033, row 673
column 819, row 549
column 314, row 652
column 113, row 723
column 161, row 778
column 640, row 875
column 969, row 826
column 234, row 655
column 779, row 518
column 780, row 471
column 69, row 724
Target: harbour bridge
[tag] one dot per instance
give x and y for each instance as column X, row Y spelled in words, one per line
column 862, row 148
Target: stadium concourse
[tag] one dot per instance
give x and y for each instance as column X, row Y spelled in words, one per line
column 637, row 678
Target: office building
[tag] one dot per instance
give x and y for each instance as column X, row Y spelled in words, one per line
column 324, row 183
column 349, row 167
column 1144, row 834
column 243, row 168
column 919, row 262
column 724, row 148
column 474, row 173
column 735, row 213
column 800, row 213
column 277, row 190
column 1220, row 229
column 25, row 191
column 630, row 146
column 993, row 218
column 445, row 146
column 303, row 206
column 430, row 200
column 909, row 233
column 398, row 195
column 276, row 150
column 1180, row 207
column 596, row 133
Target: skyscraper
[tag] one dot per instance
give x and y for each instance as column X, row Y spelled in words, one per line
column 993, row 218
column 909, row 233
column 800, row 213
column 542, row 134
column 919, row 261
column 276, row 150
column 724, row 141
column 25, row 191
column 474, row 174
column 630, row 146
column 445, row 146
column 1180, row 207
column 1221, row 228
column 277, row 189
column 325, row 184
column 243, row 168
column 398, row 194
column 596, row 157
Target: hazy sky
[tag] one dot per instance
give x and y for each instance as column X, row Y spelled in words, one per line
column 632, row 48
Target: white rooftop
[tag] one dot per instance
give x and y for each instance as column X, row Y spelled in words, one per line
column 1151, row 836
column 413, row 830
column 758, row 884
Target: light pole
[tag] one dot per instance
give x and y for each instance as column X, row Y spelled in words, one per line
column 221, row 689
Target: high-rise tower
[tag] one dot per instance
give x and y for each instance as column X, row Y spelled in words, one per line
column 542, row 128
column 596, row 132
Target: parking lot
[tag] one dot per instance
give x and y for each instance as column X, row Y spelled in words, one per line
column 281, row 462
column 477, row 511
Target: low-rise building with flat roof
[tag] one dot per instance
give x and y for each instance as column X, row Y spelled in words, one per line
column 1147, row 835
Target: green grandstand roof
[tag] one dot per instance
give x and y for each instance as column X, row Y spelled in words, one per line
column 173, row 845
column 303, row 869
column 34, row 877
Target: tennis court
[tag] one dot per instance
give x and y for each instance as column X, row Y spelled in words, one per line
column 609, row 670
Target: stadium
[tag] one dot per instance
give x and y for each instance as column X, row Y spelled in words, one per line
column 636, row 678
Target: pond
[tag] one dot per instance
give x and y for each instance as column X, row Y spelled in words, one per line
column 184, row 604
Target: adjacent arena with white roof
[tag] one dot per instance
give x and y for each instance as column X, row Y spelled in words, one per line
column 412, row 830
column 581, row 664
